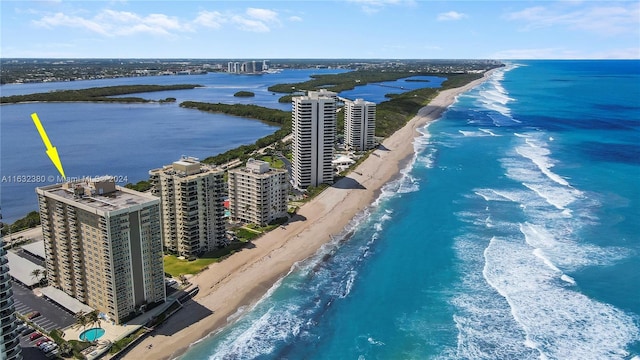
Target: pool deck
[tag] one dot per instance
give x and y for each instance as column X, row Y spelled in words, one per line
column 113, row 332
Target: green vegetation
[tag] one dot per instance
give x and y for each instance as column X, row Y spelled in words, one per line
column 273, row 161
column 342, row 82
column 96, row 94
column 125, row 341
column 312, row 191
column 31, row 220
column 141, row 186
column 246, row 234
column 393, row 114
column 249, row 111
column 244, row 94
column 177, row 267
column 68, row 348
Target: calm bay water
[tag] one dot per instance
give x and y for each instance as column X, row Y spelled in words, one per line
column 127, row 140
column 514, row 234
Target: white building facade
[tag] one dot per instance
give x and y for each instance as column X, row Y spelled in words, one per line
column 258, row 193
column 359, row 124
column 314, row 135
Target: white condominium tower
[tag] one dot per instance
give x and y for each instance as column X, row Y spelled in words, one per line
column 314, row 135
column 359, row 124
column 192, row 196
column 9, row 337
column 103, row 245
column 257, row 193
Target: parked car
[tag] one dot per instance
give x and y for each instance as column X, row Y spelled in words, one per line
column 33, row 315
column 27, row 330
column 50, row 348
column 34, row 336
column 46, row 346
column 42, row 341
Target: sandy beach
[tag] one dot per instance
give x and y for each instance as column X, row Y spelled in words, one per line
column 242, row 279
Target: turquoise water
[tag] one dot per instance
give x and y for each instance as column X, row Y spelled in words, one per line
column 513, row 234
column 92, row 334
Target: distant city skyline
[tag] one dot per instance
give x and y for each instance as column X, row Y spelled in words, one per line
column 364, row 29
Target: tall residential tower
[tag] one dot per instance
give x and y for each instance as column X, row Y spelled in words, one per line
column 9, row 337
column 314, row 135
column 192, row 197
column 359, row 124
column 103, row 245
column 257, row 193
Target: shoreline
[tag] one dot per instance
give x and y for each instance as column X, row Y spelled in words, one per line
column 244, row 278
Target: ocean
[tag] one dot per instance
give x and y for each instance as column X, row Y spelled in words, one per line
column 514, row 233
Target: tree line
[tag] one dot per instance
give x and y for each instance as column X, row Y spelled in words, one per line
column 97, row 94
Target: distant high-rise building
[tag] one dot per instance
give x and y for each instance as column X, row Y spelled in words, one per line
column 314, row 135
column 257, row 193
column 9, row 337
column 359, row 124
column 192, row 197
column 103, row 245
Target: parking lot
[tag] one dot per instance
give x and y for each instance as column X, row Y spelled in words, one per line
column 51, row 317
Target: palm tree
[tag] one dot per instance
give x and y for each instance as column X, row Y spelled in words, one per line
column 66, row 348
column 36, row 273
column 93, row 318
column 43, row 273
column 82, row 320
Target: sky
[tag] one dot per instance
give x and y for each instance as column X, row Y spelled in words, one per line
column 362, row 29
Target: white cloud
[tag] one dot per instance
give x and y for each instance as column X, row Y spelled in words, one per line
column 265, row 15
column 605, row 20
column 122, row 23
column 210, row 19
column 116, row 23
column 60, row 19
column 374, row 6
column 451, row 15
column 249, row 24
column 295, row 18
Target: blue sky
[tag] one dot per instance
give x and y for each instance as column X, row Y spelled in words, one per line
column 402, row 29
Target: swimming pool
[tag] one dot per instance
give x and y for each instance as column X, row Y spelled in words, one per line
column 92, row 334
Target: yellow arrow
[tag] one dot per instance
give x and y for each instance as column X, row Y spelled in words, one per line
column 52, row 152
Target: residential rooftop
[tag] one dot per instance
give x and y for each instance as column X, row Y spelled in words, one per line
column 100, row 193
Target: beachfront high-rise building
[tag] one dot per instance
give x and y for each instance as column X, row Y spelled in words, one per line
column 103, row 245
column 257, row 193
column 314, row 135
column 9, row 337
column 192, row 203
column 359, row 124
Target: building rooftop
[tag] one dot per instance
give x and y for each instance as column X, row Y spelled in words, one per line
column 35, row 248
column 21, row 269
column 66, row 301
column 186, row 167
column 97, row 194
